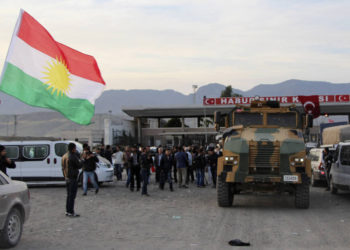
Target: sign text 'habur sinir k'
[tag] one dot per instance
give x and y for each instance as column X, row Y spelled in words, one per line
column 281, row 99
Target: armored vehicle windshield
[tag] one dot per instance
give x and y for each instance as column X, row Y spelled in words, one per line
column 252, row 119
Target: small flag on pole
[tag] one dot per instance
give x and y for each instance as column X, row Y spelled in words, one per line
column 42, row 72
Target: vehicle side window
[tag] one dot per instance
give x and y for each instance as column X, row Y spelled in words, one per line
column 35, row 152
column 12, row 152
column 3, row 181
column 61, row 149
column 345, row 155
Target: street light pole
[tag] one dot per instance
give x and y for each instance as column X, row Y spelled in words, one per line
column 194, row 93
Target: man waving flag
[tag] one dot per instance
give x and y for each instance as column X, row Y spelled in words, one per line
column 42, row 72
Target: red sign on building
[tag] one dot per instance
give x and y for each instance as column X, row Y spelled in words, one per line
column 281, row 99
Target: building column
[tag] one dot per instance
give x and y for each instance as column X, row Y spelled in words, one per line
column 91, row 141
column 158, row 122
column 139, row 130
column 182, row 122
column 108, row 135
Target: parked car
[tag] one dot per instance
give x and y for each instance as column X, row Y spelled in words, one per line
column 318, row 171
column 39, row 162
column 14, row 210
column 340, row 170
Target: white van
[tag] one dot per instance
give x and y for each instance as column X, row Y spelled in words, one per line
column 39, row 162
column 340, row 171
column 318, row 171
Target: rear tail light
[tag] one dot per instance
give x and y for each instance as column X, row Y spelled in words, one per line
column 322, row 172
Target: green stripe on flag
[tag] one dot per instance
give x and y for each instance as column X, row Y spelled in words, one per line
column 33, row 92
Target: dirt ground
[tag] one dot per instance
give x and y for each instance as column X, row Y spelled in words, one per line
column 185, row 219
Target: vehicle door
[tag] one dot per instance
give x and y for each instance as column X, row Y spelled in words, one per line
column 36, row 163
column 4, row 200
column 344, row 165
column 13, row 152
column 59, row 149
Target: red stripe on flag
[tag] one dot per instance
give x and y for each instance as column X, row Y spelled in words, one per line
column 79, row 64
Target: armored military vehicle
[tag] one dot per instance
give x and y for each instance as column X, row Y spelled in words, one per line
column 263, row 150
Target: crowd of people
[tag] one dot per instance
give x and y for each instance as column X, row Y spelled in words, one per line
column 176, row 165
column 180, row 165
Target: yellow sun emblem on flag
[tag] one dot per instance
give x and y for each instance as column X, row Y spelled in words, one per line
column 57, row 77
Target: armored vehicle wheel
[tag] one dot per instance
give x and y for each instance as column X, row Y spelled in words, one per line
column 302, row 194
column 224, row 193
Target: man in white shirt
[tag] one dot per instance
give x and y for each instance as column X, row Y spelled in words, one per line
column 118, row 161
column 157, row 163
column 189, row 174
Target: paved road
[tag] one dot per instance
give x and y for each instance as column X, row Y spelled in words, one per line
column 184, row 219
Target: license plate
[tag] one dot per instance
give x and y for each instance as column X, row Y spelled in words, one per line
column 290, row 178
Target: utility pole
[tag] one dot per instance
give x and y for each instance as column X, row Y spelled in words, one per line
column 7, row 126
column 205, row 124
column 15, row 125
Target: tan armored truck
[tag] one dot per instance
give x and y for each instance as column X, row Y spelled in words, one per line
column 263, row 150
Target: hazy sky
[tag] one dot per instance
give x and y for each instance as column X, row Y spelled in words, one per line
column 163, row 44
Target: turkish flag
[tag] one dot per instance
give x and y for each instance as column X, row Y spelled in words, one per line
column 311, row 105
column 342, row 98
column 208, row 101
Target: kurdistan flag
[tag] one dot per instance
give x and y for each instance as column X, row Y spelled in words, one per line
column 44, row 73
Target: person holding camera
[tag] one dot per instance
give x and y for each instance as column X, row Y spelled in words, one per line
column 89, row 167
column 5, row 162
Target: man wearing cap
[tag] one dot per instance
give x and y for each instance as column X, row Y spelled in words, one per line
column 5, row 162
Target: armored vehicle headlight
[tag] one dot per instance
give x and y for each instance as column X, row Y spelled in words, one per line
column 226, row 158
column 302, row 159
column 292, row 163
column 297, row 159
column 235, row 162
column 232, row 158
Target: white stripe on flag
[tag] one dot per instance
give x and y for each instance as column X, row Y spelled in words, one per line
column 32, row 62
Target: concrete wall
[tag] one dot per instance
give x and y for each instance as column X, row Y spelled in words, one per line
column 53, row 124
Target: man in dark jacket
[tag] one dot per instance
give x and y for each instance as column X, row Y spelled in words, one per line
column 146, row 163
column 89, row 167
column 74, row 165
column 135, row 168
column 165, row 170
column 108, row 153
column 212, row 161
column 5, row 162
column 199, row 164
column 327, row 160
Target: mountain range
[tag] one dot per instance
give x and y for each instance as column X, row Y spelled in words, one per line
column 114, row 100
